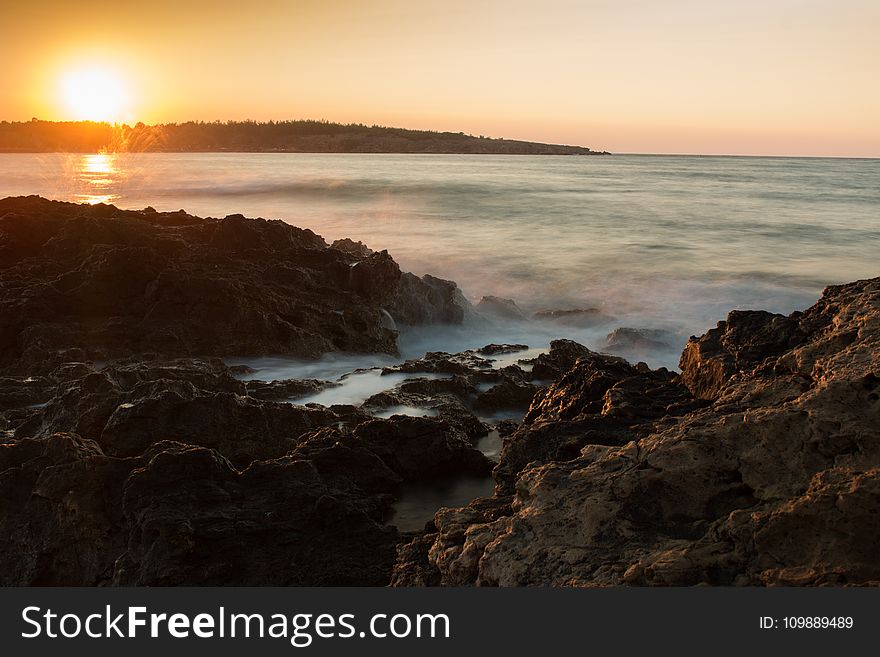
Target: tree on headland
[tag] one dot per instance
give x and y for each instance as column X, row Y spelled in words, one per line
column 303, row 135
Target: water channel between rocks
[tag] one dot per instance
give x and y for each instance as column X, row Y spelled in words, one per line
column 360, row 377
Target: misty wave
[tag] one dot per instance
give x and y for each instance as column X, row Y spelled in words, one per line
column 321, row 189
column 669, row 243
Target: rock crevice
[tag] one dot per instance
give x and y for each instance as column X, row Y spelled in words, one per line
column 757, row 465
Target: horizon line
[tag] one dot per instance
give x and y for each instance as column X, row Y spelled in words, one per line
column 449, row 131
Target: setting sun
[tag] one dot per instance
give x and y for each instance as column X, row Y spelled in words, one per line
column 94, row 95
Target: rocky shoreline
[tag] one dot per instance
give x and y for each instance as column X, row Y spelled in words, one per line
column 131, row 453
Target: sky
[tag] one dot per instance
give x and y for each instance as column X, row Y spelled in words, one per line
column 760, row 77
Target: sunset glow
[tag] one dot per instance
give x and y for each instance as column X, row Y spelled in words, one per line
column 94, row 95
column 778, row 77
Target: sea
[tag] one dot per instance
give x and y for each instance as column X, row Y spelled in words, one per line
column 663, row 244
column 660, row 242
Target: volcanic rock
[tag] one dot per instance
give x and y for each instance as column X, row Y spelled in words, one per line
column 758, row 465
column 562, row 356
column 578, row 317
column 285, row 390
column 634, row 340
column 421, row 447
column 508, row 394
column 500, row 308
column 126, row 408
column 80, row 282
column 194, row 519
column 495, row 349
column 428, row 300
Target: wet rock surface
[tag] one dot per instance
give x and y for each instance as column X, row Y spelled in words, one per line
column 131, row 454
column 635, row 343
column 501, row 308
column 181, row 514
column 95, row 282
column 163, row 472
column 758, row 465
column 580, row 317
column 170, row 474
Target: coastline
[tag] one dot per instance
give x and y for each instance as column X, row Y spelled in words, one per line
column 140, row 457
column 302, row 136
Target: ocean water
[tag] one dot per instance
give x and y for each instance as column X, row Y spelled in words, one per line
column 661, row 242
column 653, row 242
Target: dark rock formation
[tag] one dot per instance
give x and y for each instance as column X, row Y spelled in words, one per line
column 579, row 317
column 736, row 345
column 509, row 394
column 500, row 308
column 601, row 400
column 80, row 282
column 562, row 356
column 758, row 465
column 180, row 514
column 194, row 519
column 637, row 341
column 439, row 362
column 358, row 249
column 127, row 408
column 421, row 447
column 285, row 390
column 495, row 349
column 152, row 472
column 475, row 383
column 428, row 300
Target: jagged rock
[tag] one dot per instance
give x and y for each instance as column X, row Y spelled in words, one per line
column 740, row 343
column 578, row 317
column 502, row 389
column 777, row 481
column 61, row 520
column 507, row 395
column 440, row 558
column 440, row 362
column 126, row 408
column 445, row 406
column 205, row 373
column 241, row 370
column 180, row 514
column 428, row 300
column 380, row 454
column 238, row 427
column 495, row 349
column 422, row 447
column 413, row 566
column 456, row 385
column 600, row 400
column 16, row 392
column 194, row 519
column 340, row 455
column 553, row 364
column 358, row 249
column 637, row 341
column 506, row 427
column 79, row 281
column 285, row 390
column 500, row 308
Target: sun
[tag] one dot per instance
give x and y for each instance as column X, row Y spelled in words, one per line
column 94, row 94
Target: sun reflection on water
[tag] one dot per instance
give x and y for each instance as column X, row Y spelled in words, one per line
column 97, row 177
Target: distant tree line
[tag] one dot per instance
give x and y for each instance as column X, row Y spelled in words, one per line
column 252, row 136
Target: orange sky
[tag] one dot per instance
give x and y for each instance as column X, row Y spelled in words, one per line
column 796, row 77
